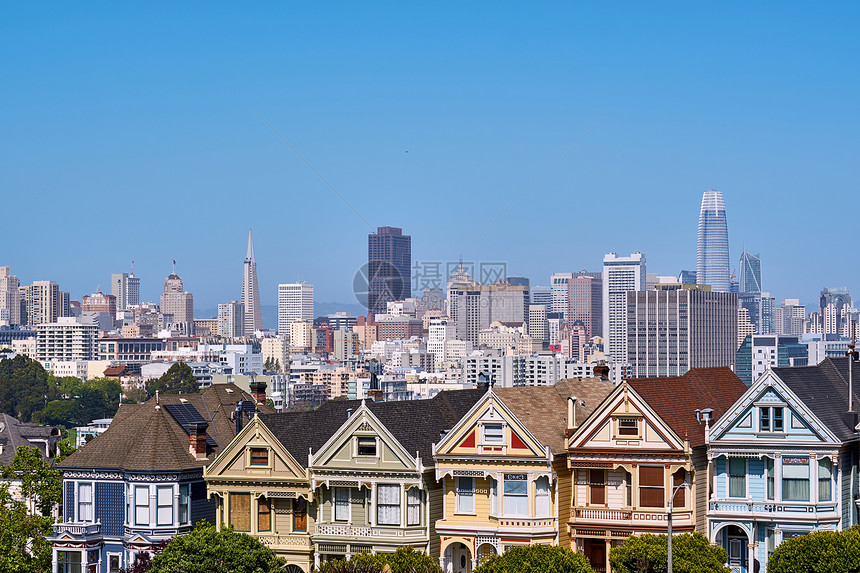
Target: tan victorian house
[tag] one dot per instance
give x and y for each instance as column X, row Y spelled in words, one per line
column 504, row 474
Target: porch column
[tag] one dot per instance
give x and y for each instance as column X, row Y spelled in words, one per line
column 402, row 505
column 55, row 559
column 751, row 556
column 608, row 547
column 316, row 559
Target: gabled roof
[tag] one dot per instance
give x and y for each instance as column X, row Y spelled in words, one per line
column 824, row 390
column 14, row 434
column 416, row 424
column 543, row 409
column 676, row 398
column 146, row 437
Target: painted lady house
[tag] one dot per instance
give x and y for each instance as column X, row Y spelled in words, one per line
column 503, row 470
column 643, row 446
column 784, row 460
column 141, row 481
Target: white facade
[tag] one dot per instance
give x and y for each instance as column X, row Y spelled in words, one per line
column 439, row 331
column 301, row 335
column 295, row 302
column 231, row 319
column 537, row 322
column 10, row 298
column 558, row 284
column 242, row 358
column 620, row 274
column 534, row 370
column 66, row 340
column 278, row 349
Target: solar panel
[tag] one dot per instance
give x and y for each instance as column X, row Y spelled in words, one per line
column 187, row 414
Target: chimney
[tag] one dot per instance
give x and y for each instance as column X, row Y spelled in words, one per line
column 197, row 439
column 258, row 391
column 601, row 370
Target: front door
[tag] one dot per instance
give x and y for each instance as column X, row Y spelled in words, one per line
column 737, row 555
column 300, row 514
column 595, row 550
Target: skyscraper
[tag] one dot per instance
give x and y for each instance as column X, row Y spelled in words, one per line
column 10, row 298
column 126, row 288
column 712, row 254
column 389, row 267
column 178, row 303
column 251, row 292
column 749, row 279
column 558, row 283
column 231, row 319
column 620, row 275
column 585, row 303
column 44, row 302
column 295, row 302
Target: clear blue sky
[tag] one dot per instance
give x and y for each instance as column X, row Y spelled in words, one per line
column 131, row 133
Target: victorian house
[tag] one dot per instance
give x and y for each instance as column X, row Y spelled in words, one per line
column 141, row 481
column 641, row 449
column 350, row 477
column 503, row 471
column 784, row 462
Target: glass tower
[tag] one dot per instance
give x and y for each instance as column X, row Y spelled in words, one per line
column 712, row 256
column 750, row 274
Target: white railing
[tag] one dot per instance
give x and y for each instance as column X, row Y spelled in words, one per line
column 632, row 515
column 770, row 507
column 77, row 529
column 602, row 514
column 286, row 540
column 344, row 530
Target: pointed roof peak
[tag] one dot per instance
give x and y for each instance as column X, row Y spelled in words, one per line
column 249, row 256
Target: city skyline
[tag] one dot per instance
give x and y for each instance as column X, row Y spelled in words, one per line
column 453, row 129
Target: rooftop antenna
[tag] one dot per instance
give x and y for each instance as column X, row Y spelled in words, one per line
column 132, row 268
column 851, row 357
column 174, row 266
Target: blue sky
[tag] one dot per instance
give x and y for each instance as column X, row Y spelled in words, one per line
column 132, row 133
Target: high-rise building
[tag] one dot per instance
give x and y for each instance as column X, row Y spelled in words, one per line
column 558, row 284
column 389, row 267
column 44, row 302
column 757, row 353
column 712, row 255
column 745, row 325
column 678, row 327
column 178, row 303
column 231, row 319
column 761, row 307
column 295, row 302
column 538, row 327
column 834, row 304
column 620, row 275
column 542, row 295
column 585, row 302
column 473, row 306
column 790, row 317
column 126, row 288
column 66, row 339
column 749, row 279
column 99, row 302
column 253, row 320
column 10, row 298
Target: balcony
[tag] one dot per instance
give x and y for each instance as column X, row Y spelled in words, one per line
column 80, row 530
column 632, row 517
column 414, row 533
column 772, row 509
column 277, row 542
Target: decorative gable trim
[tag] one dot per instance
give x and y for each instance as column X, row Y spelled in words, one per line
column 255, row 434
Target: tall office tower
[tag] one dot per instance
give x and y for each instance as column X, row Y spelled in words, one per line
column 558, row 284
column 585, row 303
column 99, row 302
column 251, row 292
column 538, row 327
column 10, row 298
column 389, row 268
column 758, row 353
column 749, row 279
column 673, row 329
column 44, row 302
column 745, row 325
column 175, row 301
column 789, row 317
column 712, row 255
column 473, row 306
column 126, row 288
column 761, row 307
column 834, row 304
column 231, row 319
column 542, row 295
column 295, row 302
column 620, row 274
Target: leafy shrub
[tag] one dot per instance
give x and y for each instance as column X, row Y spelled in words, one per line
column 691, row 553
column 536, row 559
column 818, row 552
column 404, row 560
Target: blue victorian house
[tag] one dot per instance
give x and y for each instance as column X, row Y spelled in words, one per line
column 783, row 462
column 141, row 481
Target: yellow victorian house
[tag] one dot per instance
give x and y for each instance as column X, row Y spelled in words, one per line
column 503, row 471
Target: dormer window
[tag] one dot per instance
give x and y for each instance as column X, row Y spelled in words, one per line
column 628, row 426
column 494, row 434
column 367, row 446
column 771, row 419
column 259, row 456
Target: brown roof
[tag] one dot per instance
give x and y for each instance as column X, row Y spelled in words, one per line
column 543, row 409
column 675, row 399
column 146, row 437
column 115, row 371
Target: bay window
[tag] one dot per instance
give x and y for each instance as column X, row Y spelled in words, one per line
column 795, row 479
column 825, row 471
column 465, row 494
column 651, row 487
column 516, row 495
column 388, row 504
column 737, row 477
column 85, row 502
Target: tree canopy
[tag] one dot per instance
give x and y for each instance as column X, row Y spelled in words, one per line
column 24, row 387
column 818, row 552
column 405, row 560
column 24, row 547
column 41, row 483
column 536, row 559
column 691, row 553
column 205, row 550
column 179, row 379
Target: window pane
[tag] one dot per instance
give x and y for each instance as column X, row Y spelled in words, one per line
column 388, row 504
column 795, row 479
column 515, row 498
column 542, row 497
column 341, row 504
column 737, row 477
column 413, row 508
column 824, row 473
column 770, row 478
column 680, row 499
column 367, row 446
column 764, row 419
column 494, row 433
column 651, row 497
column 164, row 501
column 651, row 476
column 264, row 514
column 183, row 503
column 777, row 420
column 466, row 495
column 259, row 457
column 240, row 511
column 141, row 505
column 597, row 487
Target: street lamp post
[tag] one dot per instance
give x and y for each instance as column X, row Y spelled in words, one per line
column 669, row 523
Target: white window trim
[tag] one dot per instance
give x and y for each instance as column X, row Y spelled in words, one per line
column 746, row 479
column 483, row 434
column 92, row 502
column 174, row 494
column 457, row 509
column 355, row 453
column 348, row 505
column 135, row 506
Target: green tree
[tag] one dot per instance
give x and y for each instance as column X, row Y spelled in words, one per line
column 41, row 483
column 24, row 547
column 818, row 552
column 205, row 550
column 134, row 396
column 536, row 559
column 405, row 560
column 179, row 379
column 691, row 553
column 81, row 402
column 24, row 387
